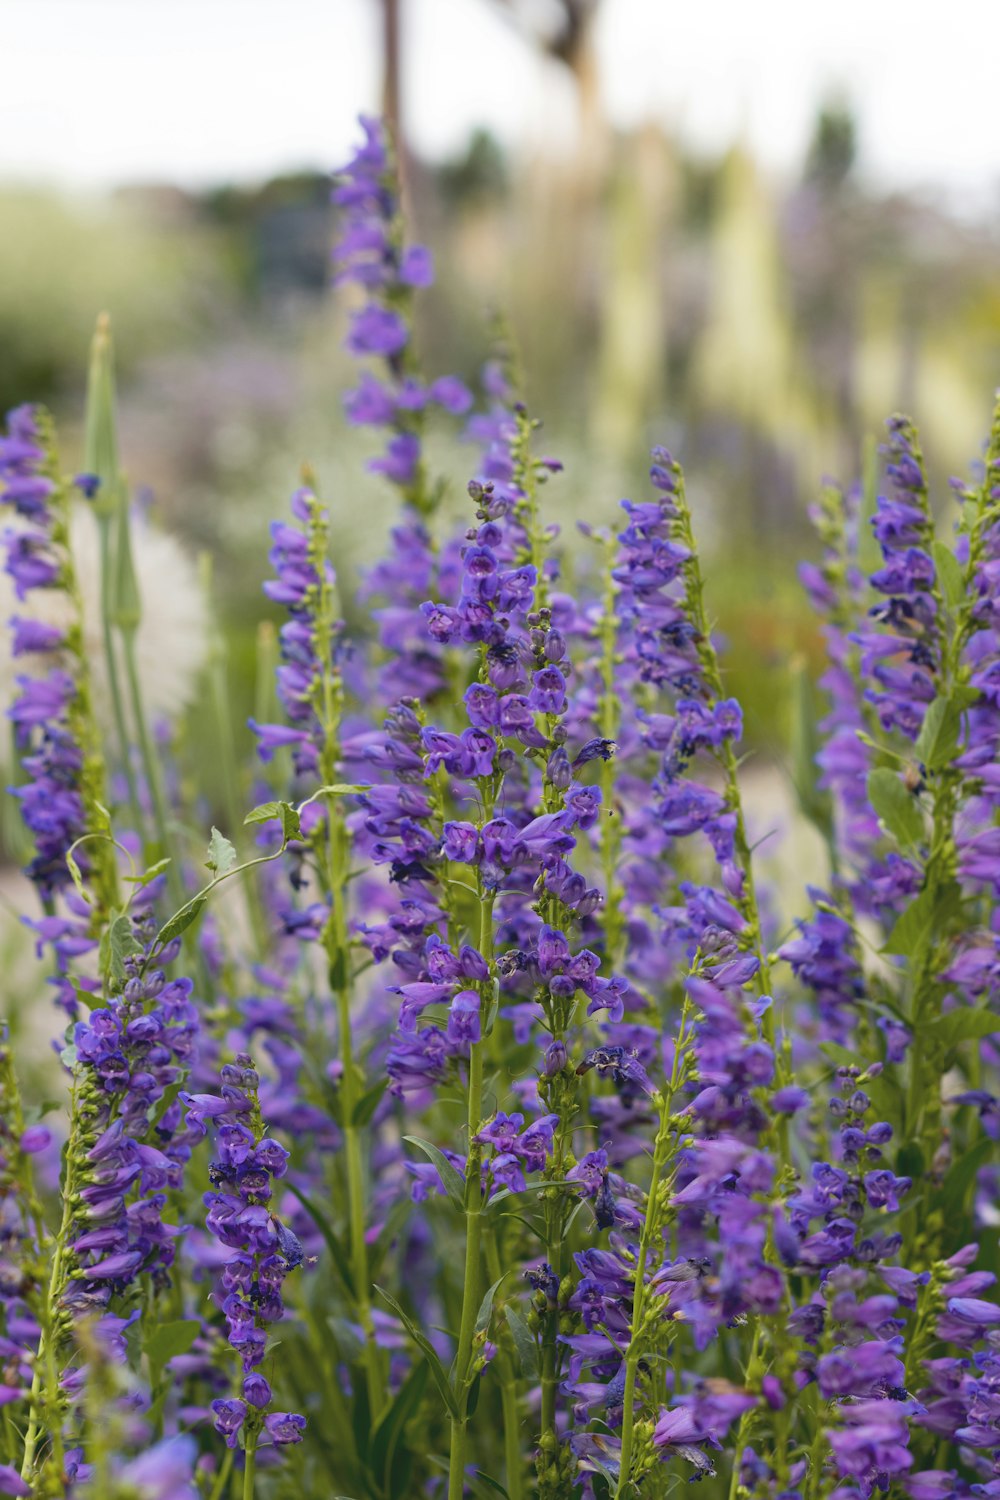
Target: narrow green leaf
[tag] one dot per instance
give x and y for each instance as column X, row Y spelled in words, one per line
column 961, row 1178
column 492, row 1484
column 926, row 919
column 939, row 734
column 183, row 919
column 486, row 1306
column 147, row 876
column 337, row 1252
column 949, row 574
column 897, row 808
column 221, row 854
column 77, row 878
column 369, row 1102
column 166, row 1340
column 438, row 1374
column 451, row 1179
column 291, row 828
column 389, row 1427
column 815, row 803
column 396, row 1218
column 263, row 813
column 525, row 1342
column 911, row 928
column 963, row 1025
column 119, row 943
column 164, row 1102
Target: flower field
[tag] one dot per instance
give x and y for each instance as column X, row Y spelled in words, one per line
column 462, row 1118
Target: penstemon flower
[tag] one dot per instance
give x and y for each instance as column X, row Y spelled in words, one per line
column 266, row 1250
column 584, row 1180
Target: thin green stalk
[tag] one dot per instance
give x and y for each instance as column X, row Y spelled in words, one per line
column 45, row 1401
column 336, row 941
column 472, row 1277
column 614, row 925
column 652, row 1234
column 111, row 662
column 249, row 1466
column 150, row 764
column 230, row 785
column 218, row 1489
column 507, row 1377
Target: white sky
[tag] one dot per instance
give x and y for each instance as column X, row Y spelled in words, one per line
column 100, row 91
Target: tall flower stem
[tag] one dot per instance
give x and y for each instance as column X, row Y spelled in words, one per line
column 609, row 712
column 336, row 940
column 249, row 1466
column 472, row 1278
column 46, row 1398
column 101, row 460
column 151, row 768
column 663, row 1150
column 507, row 1377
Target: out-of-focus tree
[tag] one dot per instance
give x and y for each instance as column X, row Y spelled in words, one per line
column 834, row 147
column 565, row 31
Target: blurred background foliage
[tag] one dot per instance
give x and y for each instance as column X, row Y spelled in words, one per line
column 761, row 329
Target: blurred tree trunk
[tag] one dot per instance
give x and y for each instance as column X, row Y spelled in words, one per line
column 391, row 65
column 633, row 334
column 392, row 93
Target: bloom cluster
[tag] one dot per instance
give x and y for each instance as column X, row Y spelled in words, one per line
column 583, row 1174
column 241, row 1218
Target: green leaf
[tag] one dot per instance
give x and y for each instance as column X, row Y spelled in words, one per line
column 182, row 920
column 924, row 919
column 77, row 878
column 291, row 828
column 164, row 1102
column 949, row 572
column 815, row 803
column 389, row 1427
column 451, row 1179
column 493, row 1484
column 395, row 1219
column 963, row 1025
column 525, row 1342
column 960, row 1179
column 369, row 1102
column 337, row 1252
column 911, row 928
column 166, row 1340
column 264, row 812
column 939, row 734
column 221, row 854
column 86, row 997
column 118, row 944
column 486, row 1306
column 896, row 807
column 423, row 1343
column 147, row 875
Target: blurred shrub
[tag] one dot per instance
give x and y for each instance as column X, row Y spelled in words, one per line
column 62, row 261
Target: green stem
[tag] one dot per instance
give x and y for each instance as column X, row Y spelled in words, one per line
column 471, row 1283
column 610, row 823
column 45, row 1402
column 652, row 1233
column 250, row 1466
column 231, row 790
column 150, row 764
column 338, row 953
column 507, row 1376
column 111, row 662
column 218, row 1489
